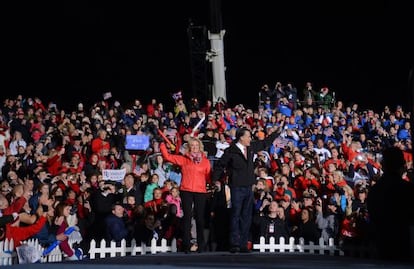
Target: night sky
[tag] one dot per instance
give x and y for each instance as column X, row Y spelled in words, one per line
column 82, row 49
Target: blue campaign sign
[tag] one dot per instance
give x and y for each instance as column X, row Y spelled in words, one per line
column 137, row 142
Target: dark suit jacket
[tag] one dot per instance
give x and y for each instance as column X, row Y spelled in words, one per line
column 240, row 171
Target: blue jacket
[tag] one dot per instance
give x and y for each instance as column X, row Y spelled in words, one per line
column 116, row 229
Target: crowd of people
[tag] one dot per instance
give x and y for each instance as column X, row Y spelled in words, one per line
column 215, row 177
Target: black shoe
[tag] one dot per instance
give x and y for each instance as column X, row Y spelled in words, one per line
column 245, row 250
column 234, row 249
column 200, row 249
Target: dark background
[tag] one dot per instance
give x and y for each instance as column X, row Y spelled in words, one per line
column 80, row 49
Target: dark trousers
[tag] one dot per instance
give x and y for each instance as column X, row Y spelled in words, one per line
column 199, row 201
column 241, row 215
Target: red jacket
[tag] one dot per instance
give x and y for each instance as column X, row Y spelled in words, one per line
column 15, row 206
column 54, row 164
column 155, row 205
column 349, row 153
column 194, row 176
column 21, row 233
column 98, row 145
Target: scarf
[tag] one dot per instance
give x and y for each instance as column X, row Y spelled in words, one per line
column 195, row 157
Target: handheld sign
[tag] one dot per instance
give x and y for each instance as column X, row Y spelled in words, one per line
column 137, row 142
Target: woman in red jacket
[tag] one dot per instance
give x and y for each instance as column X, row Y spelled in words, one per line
column 196, row 171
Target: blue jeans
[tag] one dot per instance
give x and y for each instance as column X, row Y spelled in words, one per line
column 241, row 215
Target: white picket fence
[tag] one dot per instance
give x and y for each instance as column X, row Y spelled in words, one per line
column 300, row 247
column 122, row 249
column 112, row 249
column 8, row 255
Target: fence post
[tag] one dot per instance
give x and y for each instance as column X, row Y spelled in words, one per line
column 153, row 246
column 174, row 245
column 92, row 249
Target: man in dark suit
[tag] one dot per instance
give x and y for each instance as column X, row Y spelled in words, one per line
column 390, row 209
column 238, row 165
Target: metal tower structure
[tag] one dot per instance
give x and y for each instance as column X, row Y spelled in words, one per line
column 197, row 38
column 216, row 53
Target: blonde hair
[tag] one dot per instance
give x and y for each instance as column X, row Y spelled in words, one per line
column 348, row 190
column 192, row 139
column 264, row 182
column 298, row 171
column 175, row 188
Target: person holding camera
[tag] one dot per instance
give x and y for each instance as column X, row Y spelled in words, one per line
column 262, row 194
column 328, row 218
column 262, row 198
column 101, row 202
column 273, row 223
column 308, row 94
column 16, row 142
column 267, row 93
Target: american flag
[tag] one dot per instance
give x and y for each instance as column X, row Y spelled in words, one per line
column 177, row 96
column 107, row 95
